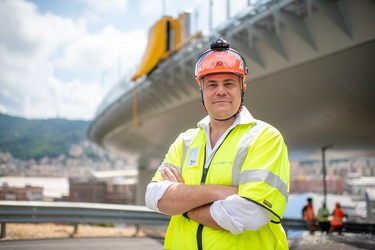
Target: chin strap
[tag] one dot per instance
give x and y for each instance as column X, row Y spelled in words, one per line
column 226, row 119
column 233, row 116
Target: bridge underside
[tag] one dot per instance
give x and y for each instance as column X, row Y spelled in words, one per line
column 317, row 89
column 330, row 100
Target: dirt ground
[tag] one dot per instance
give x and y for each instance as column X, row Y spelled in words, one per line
column 51, row 230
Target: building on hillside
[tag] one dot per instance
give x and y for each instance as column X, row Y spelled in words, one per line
column 359, row 185
column 115, row 187
column 27, row 193
column 120, row 191
column 121, row 185
column 86, row 190
column 335, row 185
column 53, row 188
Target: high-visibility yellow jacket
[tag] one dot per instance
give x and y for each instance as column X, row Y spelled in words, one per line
column 254, row 158
column 323, row 214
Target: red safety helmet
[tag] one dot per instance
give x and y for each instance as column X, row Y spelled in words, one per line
column 220, row 59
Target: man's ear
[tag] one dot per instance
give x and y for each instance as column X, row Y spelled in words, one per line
column 244, row 87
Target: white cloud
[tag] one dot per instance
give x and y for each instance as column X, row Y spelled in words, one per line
column 101, row 50
column 24, row 29
column 52, row 65
column 172, row 8
column 106, row 6
column 29, row 42
column 76, row 100
column 34, row 48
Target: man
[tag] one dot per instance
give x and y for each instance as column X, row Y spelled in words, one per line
column 322, row 218
column 226, row 182
column 308, row 216
column 337, row 222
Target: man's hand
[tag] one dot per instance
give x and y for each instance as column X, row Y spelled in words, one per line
column 179, row 198
column 171, row 174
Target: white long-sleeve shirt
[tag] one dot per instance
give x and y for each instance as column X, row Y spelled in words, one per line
column 235, row 213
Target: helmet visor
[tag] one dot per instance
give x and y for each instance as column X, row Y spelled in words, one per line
column 223, row 61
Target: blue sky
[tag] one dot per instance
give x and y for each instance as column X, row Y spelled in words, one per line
column 59, row 58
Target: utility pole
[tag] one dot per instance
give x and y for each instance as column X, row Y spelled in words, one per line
column 210, row 15
column 164, row 7
column 324, row 171
column 119, row 57
column 102, row 83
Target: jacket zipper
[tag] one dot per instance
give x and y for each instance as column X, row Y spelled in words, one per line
column 203, row 180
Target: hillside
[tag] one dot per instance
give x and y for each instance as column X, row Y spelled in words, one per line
column 25, row 139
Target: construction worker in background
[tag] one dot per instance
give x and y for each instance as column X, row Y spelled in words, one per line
column 322, row 218
column 337, row 222
column 226, row 182
column 308, row 216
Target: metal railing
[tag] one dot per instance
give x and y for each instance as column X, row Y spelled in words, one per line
column 74, row 212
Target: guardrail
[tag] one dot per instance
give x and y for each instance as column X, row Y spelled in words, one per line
column 74, row 212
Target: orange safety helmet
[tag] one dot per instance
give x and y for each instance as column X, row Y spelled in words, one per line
column 220, row 59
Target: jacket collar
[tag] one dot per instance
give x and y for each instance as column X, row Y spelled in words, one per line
column 243, row 118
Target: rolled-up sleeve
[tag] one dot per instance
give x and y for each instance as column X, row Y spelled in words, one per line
column 154, row 192
column 237, row 214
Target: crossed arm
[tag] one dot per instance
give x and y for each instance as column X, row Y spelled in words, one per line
column 196, row 200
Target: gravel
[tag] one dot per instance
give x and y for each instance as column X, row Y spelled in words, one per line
column 333, row 242
column 25, row 231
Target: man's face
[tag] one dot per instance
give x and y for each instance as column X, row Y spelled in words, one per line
column 222, row 94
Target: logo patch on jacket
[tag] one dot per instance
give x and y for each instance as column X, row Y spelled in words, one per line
column 222, row 163
column 268, row 204
column 193, row 157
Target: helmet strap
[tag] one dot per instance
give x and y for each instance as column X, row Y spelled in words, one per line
column 205, row 110
column 225, row 119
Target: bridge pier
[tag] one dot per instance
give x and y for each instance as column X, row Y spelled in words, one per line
column 3, row 230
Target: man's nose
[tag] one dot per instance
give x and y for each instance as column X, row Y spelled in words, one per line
column 220, row 89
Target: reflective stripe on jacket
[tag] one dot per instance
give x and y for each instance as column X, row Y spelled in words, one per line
column 252, row 157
